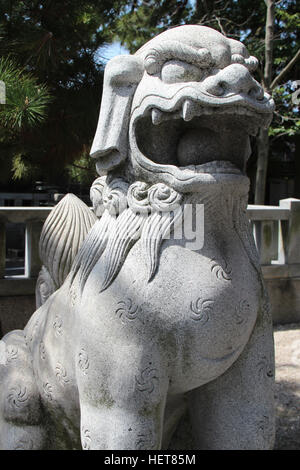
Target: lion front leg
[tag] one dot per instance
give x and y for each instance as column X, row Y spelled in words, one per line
column 236, row 411
column 22, row 425
column 122, row 401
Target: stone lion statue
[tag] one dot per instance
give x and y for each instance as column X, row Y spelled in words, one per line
column 148, row 325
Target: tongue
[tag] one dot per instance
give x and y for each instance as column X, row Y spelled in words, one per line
column 198, row 146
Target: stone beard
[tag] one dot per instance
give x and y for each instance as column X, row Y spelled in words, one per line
column 143, row 340
column 152, row 213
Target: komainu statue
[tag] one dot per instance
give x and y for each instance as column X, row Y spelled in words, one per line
column 163, row 313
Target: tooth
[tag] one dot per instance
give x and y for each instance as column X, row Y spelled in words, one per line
column 187, row 110
column 156, row 116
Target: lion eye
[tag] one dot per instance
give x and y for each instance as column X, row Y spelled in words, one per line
column 175, row 71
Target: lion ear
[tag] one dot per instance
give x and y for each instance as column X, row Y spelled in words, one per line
column 121, row 77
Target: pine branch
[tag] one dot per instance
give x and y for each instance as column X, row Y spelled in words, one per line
column 80, row 167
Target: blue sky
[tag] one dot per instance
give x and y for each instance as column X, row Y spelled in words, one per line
column 108, row 52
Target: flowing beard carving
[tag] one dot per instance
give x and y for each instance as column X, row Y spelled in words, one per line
column 153, row 213
column 146, row 213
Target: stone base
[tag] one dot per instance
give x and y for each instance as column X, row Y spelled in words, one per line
column 284, row 296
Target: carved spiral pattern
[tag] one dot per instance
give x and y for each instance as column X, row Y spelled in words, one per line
column 42, row 351
column 201, row 310
column 96, row 195
column 44, row 287
column 48, row 391
column 115, row 196
column 221, row 272
column 162, row 198
column 138, row 197
column 57, row 325
column 86, row 439
column 61, row 374
column 83, row 361
column 127, row 309
column 147, row 379
column 11, row 353
column 17, row 397
column 241, row 312
column 159, row 197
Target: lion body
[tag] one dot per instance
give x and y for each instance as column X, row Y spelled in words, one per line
column 146, row 327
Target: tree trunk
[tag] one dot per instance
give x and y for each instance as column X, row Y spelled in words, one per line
column 269, row 39
column 297, row 169
column 263, row 137
column 261, row 166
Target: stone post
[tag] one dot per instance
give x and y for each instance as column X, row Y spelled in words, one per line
column 291, row 231
column 266, row 238
column 32, row 258
column 2, row 247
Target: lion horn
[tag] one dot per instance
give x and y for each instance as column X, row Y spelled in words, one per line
column 121, row 77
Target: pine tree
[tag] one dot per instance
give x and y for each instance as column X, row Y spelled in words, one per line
column 24, row 108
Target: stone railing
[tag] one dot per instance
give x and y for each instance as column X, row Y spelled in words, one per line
column 276, row 231
column 277, row 235
column 33, row 219
column 20, row 199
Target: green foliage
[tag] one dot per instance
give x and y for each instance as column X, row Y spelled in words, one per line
column 19, row 167
column 139, row 21
column 26, row 101
column 82, row 170
column 25, row 107
column 238, row 19
column 286, row 120
column 57, row 43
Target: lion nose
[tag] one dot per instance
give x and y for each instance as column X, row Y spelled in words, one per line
column 234, row 79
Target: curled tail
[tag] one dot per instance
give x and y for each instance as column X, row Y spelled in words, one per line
column 62, row 235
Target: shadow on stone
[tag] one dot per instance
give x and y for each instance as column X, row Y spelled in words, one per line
column 287, row 402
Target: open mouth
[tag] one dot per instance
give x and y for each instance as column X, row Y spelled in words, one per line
column 188, row 138
column 197, row 139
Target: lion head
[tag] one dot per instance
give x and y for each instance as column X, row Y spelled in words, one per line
column 175, row 120
column 180, row 110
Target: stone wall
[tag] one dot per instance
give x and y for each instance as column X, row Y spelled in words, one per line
column 17, row 303
column 15, row 312
column 285, row 300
